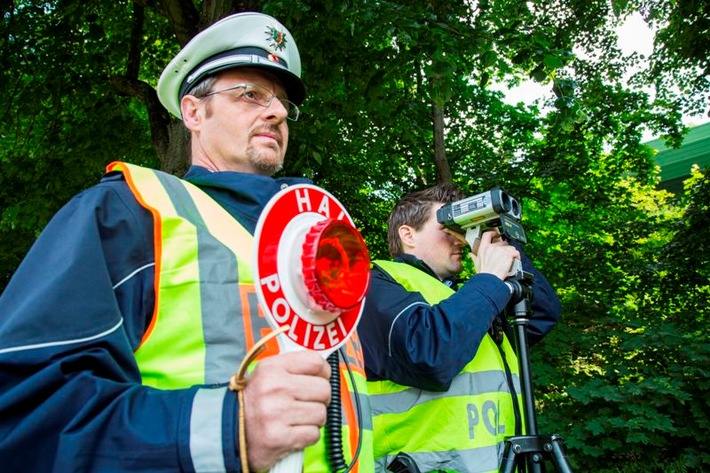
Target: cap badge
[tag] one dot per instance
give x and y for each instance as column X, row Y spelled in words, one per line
column 277, row 38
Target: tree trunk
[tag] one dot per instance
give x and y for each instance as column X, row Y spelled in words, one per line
column 170, row 138
column 176, row 157
column 443, row 171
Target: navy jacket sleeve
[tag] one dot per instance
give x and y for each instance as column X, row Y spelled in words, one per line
column 71, row 397
column 545, row 304
column 410, row 342
column 413, row 343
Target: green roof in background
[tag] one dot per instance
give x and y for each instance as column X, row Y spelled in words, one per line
column 675, row 163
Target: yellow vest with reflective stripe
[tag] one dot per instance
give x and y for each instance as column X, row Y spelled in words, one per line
column 206, row 314
column 462, row 429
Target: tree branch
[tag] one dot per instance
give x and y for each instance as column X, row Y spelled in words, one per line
column 183, row 17
column 158, row 116
column 133, row 63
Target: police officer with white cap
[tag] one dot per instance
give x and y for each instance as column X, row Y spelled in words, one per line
column 239, row 65
column 126, row 320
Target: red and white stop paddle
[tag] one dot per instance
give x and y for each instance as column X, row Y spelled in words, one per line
column 312, row 270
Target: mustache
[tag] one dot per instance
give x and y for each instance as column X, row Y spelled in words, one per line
column 268, row 130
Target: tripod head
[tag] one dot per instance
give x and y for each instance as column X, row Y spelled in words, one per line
column 520, row 284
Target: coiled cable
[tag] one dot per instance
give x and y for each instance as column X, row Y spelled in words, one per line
column 333, row 424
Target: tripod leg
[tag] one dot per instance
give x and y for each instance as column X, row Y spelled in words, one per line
column 531, row 450
column 537, row 463
column 558, row 456
column 508, row 465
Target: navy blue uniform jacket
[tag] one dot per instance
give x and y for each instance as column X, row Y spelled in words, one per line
column 410, row 342
column 71, row 397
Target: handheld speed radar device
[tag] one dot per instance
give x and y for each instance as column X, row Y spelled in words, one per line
column 472, row 216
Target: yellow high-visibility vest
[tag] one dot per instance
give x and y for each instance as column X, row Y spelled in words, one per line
column 206, row 315
column 462, row 429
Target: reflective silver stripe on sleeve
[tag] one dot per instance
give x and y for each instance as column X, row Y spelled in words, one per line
column 135, row 272
column 206, row 430
column 59, row 343
column 394, row 321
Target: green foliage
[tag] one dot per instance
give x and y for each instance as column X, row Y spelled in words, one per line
column 62, row 123
column 635, row 353
column 624, row 377
column 683, row 46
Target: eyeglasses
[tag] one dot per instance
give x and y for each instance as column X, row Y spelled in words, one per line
column 261, row 96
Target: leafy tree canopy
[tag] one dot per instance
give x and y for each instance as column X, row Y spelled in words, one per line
column 401, row 96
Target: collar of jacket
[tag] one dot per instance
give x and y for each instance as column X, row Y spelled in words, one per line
column 243, row 194
column 412, row 260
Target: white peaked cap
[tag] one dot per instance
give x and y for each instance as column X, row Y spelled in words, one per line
column 242, row 40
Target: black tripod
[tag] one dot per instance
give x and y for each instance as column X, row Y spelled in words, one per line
column 528, row 452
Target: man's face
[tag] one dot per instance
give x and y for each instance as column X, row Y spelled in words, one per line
column 437, row 248
column 233, row 134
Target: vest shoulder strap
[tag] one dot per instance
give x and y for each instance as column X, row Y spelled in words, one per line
column 416, row 280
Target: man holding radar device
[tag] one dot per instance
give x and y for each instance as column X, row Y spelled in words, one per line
column 443, row 377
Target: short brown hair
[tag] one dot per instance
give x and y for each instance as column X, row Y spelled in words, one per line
column 413, row 210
